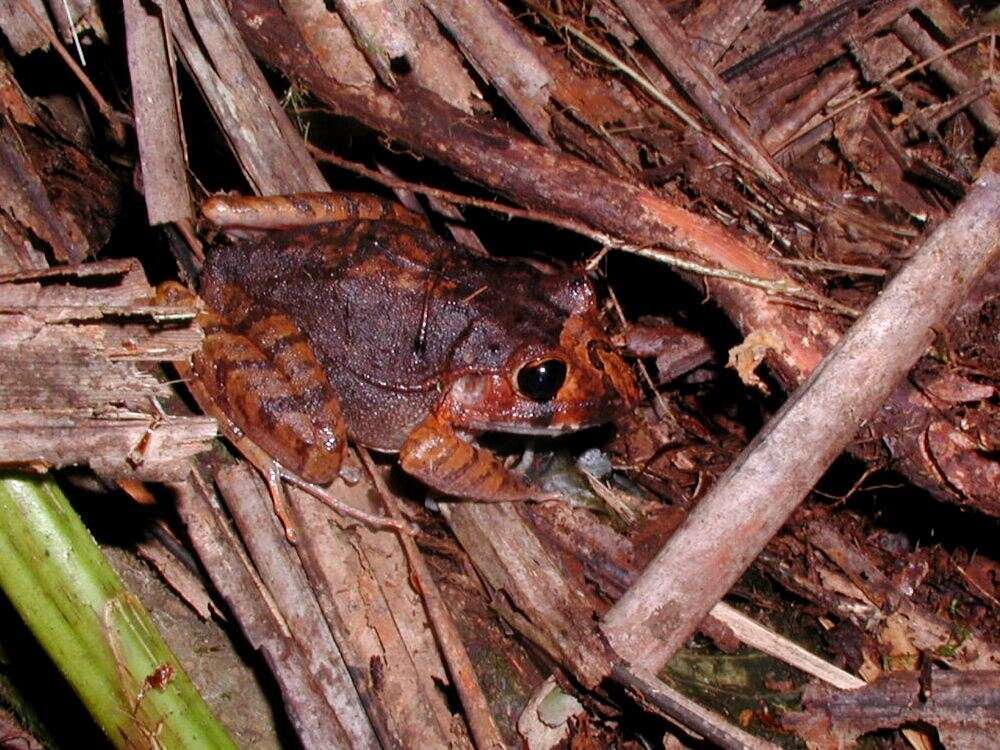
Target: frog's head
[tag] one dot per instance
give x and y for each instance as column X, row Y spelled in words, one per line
column 559, row 374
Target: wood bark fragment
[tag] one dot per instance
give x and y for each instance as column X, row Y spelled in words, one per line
column 883, row 56
column 190, row 587
column 878, row 160
column 810, row 44
column 365, row 33
column 120, row 443
column 26, row 197
column 714, row 25
column 329, row 40
column 408, row 37
column 360, row 578
column 25, row 36
column 482, row 726
column 920, row 41
column 747, row 506
column 893, row 608
column 963, row 706
column 513, row 560
column 264, row 627
column 158, row 126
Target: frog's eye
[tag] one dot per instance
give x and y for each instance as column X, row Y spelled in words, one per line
column 541, row 381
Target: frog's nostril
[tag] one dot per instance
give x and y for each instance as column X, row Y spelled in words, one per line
column 541, row 381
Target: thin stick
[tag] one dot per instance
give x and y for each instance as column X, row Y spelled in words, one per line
column 402, row 527
column 477, row 710
column 648, row 689
column 754, row 634
column 824, row 265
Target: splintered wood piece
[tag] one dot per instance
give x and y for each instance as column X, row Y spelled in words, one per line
column 119, row 443
column 714, row 25
column 343, row 719
column 361, row 579
column 27, row 200
column 747, row 506
column 477, row 709
column 24, row 33
column 501, row 543
column 83, row 399
column 923, row 44
column 388, row 35
column 700, row 82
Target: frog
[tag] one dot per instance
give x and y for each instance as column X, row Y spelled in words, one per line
column 336, row 317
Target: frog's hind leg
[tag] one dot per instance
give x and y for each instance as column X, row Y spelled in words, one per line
column 303, row 210
column 440, row 458
column 263, row 374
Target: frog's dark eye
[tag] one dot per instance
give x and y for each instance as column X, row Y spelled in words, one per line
column 541, row 381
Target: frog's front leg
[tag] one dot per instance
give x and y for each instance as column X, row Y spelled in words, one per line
column 262, row 372
column 303, row 210
column 440, row 458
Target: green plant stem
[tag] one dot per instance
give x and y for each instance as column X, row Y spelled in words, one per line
column 97, row 633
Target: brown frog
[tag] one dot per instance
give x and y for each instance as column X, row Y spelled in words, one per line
column 353, row 320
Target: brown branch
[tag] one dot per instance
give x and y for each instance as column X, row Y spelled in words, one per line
column 376, row 55
column 649, row 690
column 963, row 706
column 267, row 145
column 714, row 25
column 920, row 41
column 780, row 287
column 751, row 501
column 498, row 48
column 902, row 75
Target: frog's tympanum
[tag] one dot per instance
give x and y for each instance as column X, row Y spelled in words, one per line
column 370, row 327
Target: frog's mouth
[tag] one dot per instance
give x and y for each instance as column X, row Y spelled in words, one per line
column 490, row 404
column 520, row 428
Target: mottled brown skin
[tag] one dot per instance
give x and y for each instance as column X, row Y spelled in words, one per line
column 375, row 329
